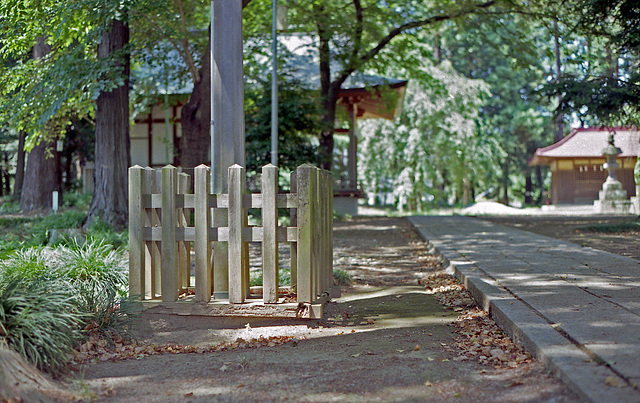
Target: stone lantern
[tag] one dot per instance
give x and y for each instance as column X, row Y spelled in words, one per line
column 612, row 197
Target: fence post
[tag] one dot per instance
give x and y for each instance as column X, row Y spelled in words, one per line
column 322, row 230
column 220, row 257
column 152, row 186
column 269, row 231
column 170, row 277
column 306, row 190
column 329, row 233
column 202, row 225
column 184, row 249
column 237, row 265
column 137, row 248
column 293, row 246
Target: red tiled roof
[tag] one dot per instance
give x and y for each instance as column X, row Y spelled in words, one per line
column 589, row 143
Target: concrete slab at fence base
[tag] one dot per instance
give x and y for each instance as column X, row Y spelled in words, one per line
column 568, row 305
column 188, row 307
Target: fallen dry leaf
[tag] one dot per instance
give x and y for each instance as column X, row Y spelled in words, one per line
column 614, row 382
column 480, row 338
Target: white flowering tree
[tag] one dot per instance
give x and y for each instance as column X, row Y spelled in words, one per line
column 432, row 150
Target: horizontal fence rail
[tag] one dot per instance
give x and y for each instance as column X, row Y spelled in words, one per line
column 161, row 234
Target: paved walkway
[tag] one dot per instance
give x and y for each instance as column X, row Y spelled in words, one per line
column 577, row 309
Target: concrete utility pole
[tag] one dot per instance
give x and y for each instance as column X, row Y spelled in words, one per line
column 227, row 90
column 227, row 114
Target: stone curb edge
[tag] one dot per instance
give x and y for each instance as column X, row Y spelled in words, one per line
column 525, row 326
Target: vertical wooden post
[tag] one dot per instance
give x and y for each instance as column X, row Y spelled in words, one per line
column 329, row 223
column 269, row 231
column 136, row 243
column 237, row 277
column 293, row 246
column 306, row 190
column 202, row 224
column 322, row 231
column 317, row 239
column 170, row 277
column 152, row 186
column 220, row 257
column 184, row 250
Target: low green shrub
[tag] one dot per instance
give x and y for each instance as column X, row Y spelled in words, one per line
column 99, row 229
column 39, row 320
column 51, row 297
column 62, row 220
column 341, row 277
column 80, row 201
column 25, row 265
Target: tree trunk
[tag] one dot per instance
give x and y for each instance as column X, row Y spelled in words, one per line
column 41, row 178
column 329, row 95
column 112, row 147
column 41, row 172
column 195, row 119
column 7, row 183
column 559, row 118
column 22, row 382
column 19, row 178
column 505, row 182
column 540, row 181
column 528, row 187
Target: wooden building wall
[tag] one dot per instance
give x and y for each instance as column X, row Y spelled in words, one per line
column 150, row 144
column 580, row 180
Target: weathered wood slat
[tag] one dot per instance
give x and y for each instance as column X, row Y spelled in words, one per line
column 306, row 179
column 169, row 272
column 182, row 234
column 293, row 246
column 152, row 270
column 237, row 287
column 136, row 241
column 269, row 234
column 287, row 200
column 201, row 233
column 184, row 246
column 219, row 201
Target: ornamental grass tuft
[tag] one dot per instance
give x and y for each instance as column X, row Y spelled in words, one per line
column 51, row 298
column 39, row 320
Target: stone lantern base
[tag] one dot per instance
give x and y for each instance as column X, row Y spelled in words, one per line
column 613, row 199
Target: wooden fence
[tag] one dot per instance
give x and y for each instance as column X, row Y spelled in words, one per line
column 161, row 234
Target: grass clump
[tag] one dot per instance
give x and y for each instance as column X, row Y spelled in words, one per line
column 40, row 321
column 341, row 277
column 51, row 298
column 99, row 229
column 284, row 277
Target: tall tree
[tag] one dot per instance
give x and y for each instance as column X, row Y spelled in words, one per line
column 88, row 59
column 42, row 174
column 112, row 146
column 608, row 92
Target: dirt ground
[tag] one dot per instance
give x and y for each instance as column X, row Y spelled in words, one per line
column 386, row 339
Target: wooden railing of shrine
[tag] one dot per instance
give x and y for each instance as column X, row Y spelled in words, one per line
column 161, row 233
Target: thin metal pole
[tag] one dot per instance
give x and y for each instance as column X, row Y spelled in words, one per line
column 274, row 85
